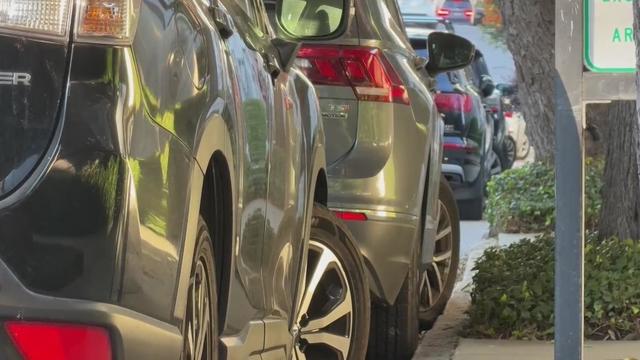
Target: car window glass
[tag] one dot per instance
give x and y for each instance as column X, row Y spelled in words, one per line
column 312, row 18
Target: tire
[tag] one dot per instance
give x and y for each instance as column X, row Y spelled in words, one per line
column 508, row 153
column 472, row 210
column 342, row 283
column 447, row 243
column 395, row 328
column 202, row 280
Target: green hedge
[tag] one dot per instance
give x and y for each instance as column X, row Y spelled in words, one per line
column 523, row 200
column 512, row 295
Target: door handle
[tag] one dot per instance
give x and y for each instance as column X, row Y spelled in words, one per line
column 222, row 20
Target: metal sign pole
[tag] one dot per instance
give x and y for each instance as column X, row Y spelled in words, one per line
column 569, row 245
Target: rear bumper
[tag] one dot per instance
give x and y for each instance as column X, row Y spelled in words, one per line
column 133, row 335
column 387, row 241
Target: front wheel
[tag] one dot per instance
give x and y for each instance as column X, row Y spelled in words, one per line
column 438, row 280
column 508, row 152
column 201, row 326
column 333, row 318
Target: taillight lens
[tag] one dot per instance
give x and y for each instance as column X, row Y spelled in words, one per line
column 42, row 18
column 364, row 69
column 97, row 21
column 443, row 12
column 508, row 114
column 468, row 147
column 446, row 102
column 351, row 216
column 468, row 13
column 106, row 21
column 46, row 341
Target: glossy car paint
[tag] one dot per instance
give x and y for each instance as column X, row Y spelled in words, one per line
column 379, row 154
column 102, row 228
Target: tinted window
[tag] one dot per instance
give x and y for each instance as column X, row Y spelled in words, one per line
column 457, row 4
column 443, row 83
column 312, row 18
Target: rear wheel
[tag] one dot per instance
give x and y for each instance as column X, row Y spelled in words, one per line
column 508, row 152
column 333, row 319
column 201, row 325
column 438, row 280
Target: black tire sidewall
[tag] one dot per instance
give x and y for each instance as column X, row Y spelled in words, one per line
column 446, row 196
column 329, row 231
column 204, row 248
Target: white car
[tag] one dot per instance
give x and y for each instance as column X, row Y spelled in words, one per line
column 516, row 132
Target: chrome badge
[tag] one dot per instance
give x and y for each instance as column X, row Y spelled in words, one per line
column 15, row 78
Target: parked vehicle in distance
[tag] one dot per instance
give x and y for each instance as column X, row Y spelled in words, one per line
column 163, row 189
column 492, row 99
column 468, row 135
column 514, row 120
column 384, row 155
column 457, row 11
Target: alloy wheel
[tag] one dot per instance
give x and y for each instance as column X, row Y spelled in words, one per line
column 199, row 341
column 434, row 278
column 325, row 320
column 496, row 164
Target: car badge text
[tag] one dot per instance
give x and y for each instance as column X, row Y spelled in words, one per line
column 15, row 78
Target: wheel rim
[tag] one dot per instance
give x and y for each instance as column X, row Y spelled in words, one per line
column 510, row 150
column 198, row 339
column 436, row 276
column 325, row 319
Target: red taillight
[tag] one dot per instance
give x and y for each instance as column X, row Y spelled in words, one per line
column 468, row 13
column 460, row 147
column 443, row 12
column 454, row 102
column 44, row 341
column 364, row 69
column 350, row 216
column 508, row 114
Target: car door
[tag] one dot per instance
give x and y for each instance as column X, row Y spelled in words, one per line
column 254, row 112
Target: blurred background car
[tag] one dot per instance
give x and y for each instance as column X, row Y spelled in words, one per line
column 514, row 120
column 457, row 11
column 384, row 149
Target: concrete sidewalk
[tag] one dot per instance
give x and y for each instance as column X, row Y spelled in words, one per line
column 469, row 349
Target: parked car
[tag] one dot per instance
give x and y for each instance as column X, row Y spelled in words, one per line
column 163, row 189
column 492, row 99
column 457, row 10
column 384, row 155
column 514, row 120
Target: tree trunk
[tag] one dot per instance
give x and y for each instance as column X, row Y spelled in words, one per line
column 530, row 30
column 620, row 213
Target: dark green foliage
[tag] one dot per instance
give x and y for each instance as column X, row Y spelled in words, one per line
column 523, row 200
column 513, row 290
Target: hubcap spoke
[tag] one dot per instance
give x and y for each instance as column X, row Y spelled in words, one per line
column 300, row 354
column 338, row 312
column 336, row 342
column 444, row 233
column 441, row 257
column 326, row 259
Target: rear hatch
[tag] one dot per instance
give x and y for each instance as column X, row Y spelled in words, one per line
column 32, row 79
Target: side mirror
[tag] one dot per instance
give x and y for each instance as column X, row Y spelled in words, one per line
column 487, row 86
column 311, row 19
column 448, row 52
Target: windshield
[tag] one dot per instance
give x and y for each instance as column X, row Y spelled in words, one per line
column 421, row 7
column 457, row 4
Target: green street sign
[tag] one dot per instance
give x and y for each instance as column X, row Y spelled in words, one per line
column 609, row 44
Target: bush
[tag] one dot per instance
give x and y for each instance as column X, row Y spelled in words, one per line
column 512, row 295
column 523, row 200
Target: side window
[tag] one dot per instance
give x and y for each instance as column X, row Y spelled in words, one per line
column 312, row 18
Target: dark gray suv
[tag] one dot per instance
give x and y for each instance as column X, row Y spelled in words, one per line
column 162, row 189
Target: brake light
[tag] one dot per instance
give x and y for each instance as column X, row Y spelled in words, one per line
column 443, row 12
column 468, row 13
column 508, row 114
column 45, row 341
column 97, row 21
column 364, row 69
column 461, row 147
column 447, row 102
column 350, row 216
